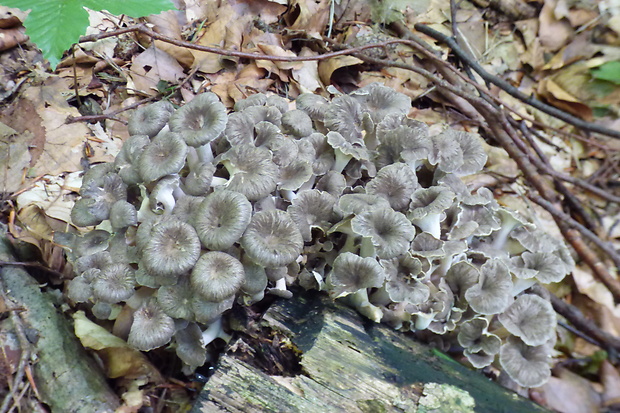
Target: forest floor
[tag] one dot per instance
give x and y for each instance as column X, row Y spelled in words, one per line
column 540, row 80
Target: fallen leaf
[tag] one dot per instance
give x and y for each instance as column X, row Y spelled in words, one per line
column 14, row 158
column 152, row 66
column 307, row 75
column 570, row 393
column 329, row 66
column 553, row 32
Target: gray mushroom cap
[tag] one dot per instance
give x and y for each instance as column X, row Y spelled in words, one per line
column 221, row 219
column 123, row 215
column 351, row 273
column 257, row 99
column 404, row 279
column 297, row 123
column 530, row 318
column 217, row 276
column 314, row 105
column 527, row 365
column 379, row 101
column 115, row 283
column 401, row 140
column 201, row 120
column 150, row 119
column 344, row 115
column 165, row 155
column 548, row 267
column 346, row 148
column 189, row 346
column 252, row 171
column 353, row 204
column 390, row 232
column 176, row 300
column 493, row 292
column 272, row 239
column 427, row 206
column 126, row 162
column 396, row 183
column 172, row 248
column 151, row 327
column 312, row 209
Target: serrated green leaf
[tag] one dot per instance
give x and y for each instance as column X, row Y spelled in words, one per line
column 55, row 25
column 133, row 8
column 609, row 71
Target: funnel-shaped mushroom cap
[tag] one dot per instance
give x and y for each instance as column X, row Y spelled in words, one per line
column 257, row 99
column 190, row 347
column 458, row 152
column 344, row 115
column 115, row 283
column 404, row 275
column 313, row 104
column 176, row 300
column 379, row 101
column 217, row 276
column 165, row 155
column 312, row 209
column 201, row 120
column 272, row 239
column 395, row 183
column 528, row 366
column 427, row 206
column 252, row 172
column 221, row 219
column 493, row 292
column 531, row 318
column 172, row 248
column 351, row 273
column 297, row 123
column 126, row 162
column 358, row 203
column 150, row 119
column 151, row 327
column 389, row 231
column 123, row 215
column 401, row 140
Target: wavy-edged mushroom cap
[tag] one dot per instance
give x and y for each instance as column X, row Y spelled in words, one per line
column 92, row 242
column 312, row 209
column 354, row 204
column 548, row 266
column 257, row 99
column 345, row 149
column 186, row 206
column 313, row 104
column 480, row 346
column 126, row 162
column 123, row 215
column 198, row 180
column 221, row 219
column 189, row 346
column 427, row 206
column 252, row 171
column 390, row 232
column 458, row 152
column 278, row 102
column 493, row 292
column 272, row 239
column 344, row 115
column 151, row 327
column 379, row 101
column 150, row 119
column 527, row 365
column 403, row 283
column 96, row 173
column 88, row 212
column 351, row 273
column 79, row 290
column 217, row 275
column 461, row 277
column 96, row 260
column 176, row 300
column 292, row 176
column 396, row 183
column 332, row 182
column 165, row 155
column 316, row 150
column 427, row 246
column 207, row 312
column 201, row 120
column 401, row 140
column 115, row 283
column 297, row 123
column 172, row 248
column 530, row 318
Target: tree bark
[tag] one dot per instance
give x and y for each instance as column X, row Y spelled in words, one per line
column 346, row 364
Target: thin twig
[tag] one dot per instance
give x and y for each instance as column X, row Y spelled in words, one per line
column 110, row 115
column 511, row 90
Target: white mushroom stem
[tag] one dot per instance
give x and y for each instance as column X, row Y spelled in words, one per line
column 367, row 249
column 500, row 237
column 430, row 223
column 423, row 320
column 205, row 153
column 521, row 284
column 166, row 198
column 212, row 332
column 360, row 301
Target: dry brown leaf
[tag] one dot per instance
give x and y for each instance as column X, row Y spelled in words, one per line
column 309, row 16
column 560, row 98
column 329, row 66
column 168, row 24
column 610, row 378
column 12, row 37
column 307, row 75
column 553, row 32
column 14, row 158
column 151, row 66
column 570, row 393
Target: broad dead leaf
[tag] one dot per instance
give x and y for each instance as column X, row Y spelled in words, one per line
column 152, row 66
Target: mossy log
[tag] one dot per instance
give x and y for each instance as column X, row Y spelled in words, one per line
column 313, row 355
column 66, row 377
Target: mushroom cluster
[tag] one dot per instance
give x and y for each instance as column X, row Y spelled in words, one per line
column 202, row 209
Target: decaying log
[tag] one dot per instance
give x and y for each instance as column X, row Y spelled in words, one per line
column 66, row 377
column 344, row 363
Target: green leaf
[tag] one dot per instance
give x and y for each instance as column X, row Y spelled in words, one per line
column 609, row 71
column 55, row 25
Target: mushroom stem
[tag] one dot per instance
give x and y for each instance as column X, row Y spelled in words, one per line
column 205, row 153
column 360, row 301
column 367, row 249
column 212, row 332
column 430, row 224
column 341, row 161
